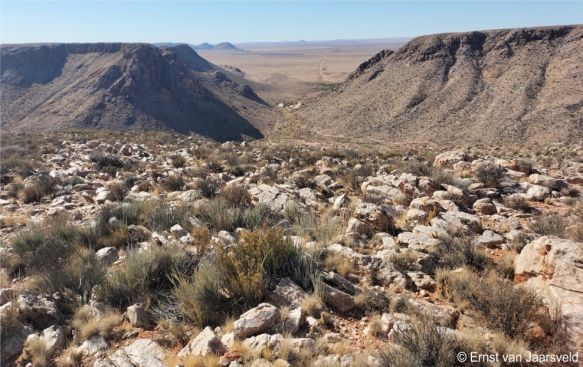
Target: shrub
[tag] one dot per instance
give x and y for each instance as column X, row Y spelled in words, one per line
column 103, row 160
column 551, row 225
column 221, row 216
column 517, row 202
column 455, row 252
column 404, row 262
column 143, row 275
column 236, row 195
column 208, row 187
column 178, row 161
column 117, row 191
column 354, row 177
column 416, row 167
column 339, row 263
column 507, row 308
column 372, row 301
column 173, row 183
column 490, row 174
column 422, row 345
column 42, row 186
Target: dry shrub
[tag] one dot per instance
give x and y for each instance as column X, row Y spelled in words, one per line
column 422, row 344
column 36, row 353
column 517, row 202
column 173, row 183
column 104, row 160
column 313, row 305
column 201, row 237
column 490, row 174
column 372, row 301
column 42, row 186
column 404, row 261
column 507, row 308
column 178, row 161
column 117, row 191
column 236, row 195
column 549, row 225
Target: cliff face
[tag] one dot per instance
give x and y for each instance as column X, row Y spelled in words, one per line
column 494, row 86
column 124, row 86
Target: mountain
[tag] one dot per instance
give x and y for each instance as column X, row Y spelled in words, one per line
column 501, row 86
column 125, row 86
column 223, row 46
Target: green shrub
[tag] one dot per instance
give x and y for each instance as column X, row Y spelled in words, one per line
column 220, row 215
column 458, row 251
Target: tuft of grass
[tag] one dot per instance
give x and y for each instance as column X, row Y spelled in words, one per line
column 143, row 276
column 42, row 186
column 236, row 195
column 173, row 183
column 237, row 277
column 88, row 325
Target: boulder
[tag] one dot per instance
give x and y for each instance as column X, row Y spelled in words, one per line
column 107, row 255
column 484, row 207
column 337, row 299
column 37, row 309
column 257, row 320
column 205, row 343
column 140, row 353
column 53, row 338
column 490, row 239
column 552, row 266
column 137, row 315
column 286, row 293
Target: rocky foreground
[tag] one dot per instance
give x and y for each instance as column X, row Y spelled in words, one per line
column 166, row 250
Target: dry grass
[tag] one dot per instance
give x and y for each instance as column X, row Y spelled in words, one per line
column 339, row 263
column 88, row 325
column 313, row 305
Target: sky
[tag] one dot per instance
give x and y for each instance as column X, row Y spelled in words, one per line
column 23, row 21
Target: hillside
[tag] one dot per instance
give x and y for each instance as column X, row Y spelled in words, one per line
column 520, row 85
column 223, row 46
column 125, row 86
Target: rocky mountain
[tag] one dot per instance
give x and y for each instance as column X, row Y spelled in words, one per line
column 125, row 86
column 518, row 85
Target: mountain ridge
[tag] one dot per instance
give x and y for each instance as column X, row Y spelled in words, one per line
column 125, row 86
column 507, row 85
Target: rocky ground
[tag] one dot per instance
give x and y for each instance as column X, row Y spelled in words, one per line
column 122, row 249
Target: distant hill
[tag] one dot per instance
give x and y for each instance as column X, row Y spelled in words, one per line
column 501, row 86
column 219, row 46
column 125, row 86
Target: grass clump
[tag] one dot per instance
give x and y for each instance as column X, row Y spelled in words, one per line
column 57, row 245
column 173, row 183
column 87, row 325
column 220, row 215
column 39, row 188
column 237, row 277
column 145, row 276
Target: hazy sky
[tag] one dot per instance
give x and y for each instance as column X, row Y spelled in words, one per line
column 241, row 21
